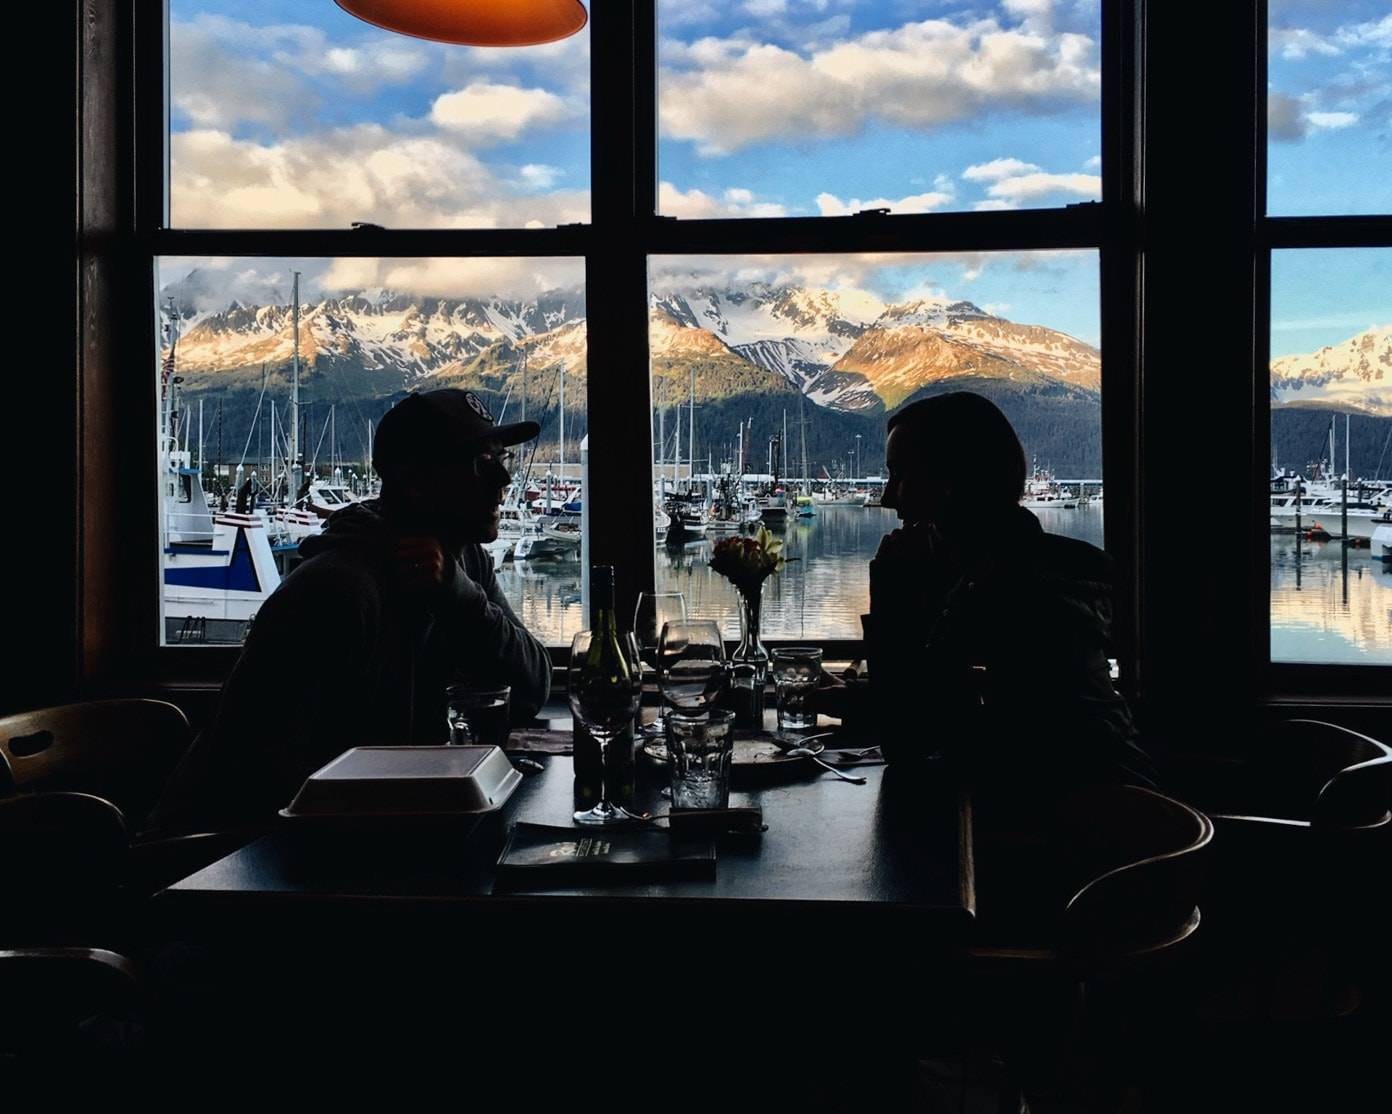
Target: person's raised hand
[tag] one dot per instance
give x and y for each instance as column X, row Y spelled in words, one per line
column 420, row 563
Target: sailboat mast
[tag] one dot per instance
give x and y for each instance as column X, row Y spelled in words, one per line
column 562, row 430
column 691, row 432
column 802, row 425
column 292, row 483
column 661, row 446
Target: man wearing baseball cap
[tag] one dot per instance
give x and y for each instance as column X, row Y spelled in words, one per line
column 395, row 600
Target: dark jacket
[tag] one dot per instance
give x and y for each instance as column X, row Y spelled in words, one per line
column 339, row 657
column 1002, row 659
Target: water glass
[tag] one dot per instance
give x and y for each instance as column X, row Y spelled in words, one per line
column 796, row 672
column 477, row 715
column 700, row 749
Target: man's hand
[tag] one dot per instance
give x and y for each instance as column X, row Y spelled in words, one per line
column 421, row 563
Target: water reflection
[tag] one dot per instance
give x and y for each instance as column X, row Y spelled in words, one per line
column 1320, row 614
column 819, row 595
column 1317, row 615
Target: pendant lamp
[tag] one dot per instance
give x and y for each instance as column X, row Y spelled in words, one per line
column 474, row 22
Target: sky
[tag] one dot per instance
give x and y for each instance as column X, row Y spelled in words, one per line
column 1329, row 107
column 1326, row 295
column 290, row 114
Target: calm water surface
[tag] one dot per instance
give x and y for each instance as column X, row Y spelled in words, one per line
column 1320, row 616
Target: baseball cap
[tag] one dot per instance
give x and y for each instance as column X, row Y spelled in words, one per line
column 426, row 424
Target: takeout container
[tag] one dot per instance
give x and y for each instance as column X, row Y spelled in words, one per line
column 407, row 783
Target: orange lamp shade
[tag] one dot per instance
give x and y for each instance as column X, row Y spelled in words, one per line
column 474, row 22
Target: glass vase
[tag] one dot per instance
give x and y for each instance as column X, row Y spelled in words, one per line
column 749, row 663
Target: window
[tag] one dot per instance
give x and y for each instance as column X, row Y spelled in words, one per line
column 805, row 109
column 284, row 129
column 772, row 378
column 1329, row 343
column 266, row 414
column 294, row 115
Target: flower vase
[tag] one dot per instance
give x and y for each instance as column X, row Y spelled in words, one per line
column 749, row 663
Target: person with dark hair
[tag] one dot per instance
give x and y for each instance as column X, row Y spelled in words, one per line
column 394, row 600
column 1000, row 631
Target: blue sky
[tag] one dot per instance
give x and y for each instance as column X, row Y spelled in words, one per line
column 1324, row 296
column 1329, row 95
column 293, row 114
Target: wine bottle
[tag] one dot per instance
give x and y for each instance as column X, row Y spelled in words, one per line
column 606, row 694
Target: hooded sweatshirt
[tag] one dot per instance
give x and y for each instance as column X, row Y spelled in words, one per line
column 339, row 656
column 1006, row 651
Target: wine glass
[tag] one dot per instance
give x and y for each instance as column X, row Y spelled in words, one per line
column 655, row 610
column 604, row 699
column 691, row 664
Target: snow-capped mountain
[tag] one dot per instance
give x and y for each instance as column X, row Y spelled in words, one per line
column 845, row 350
column 797, row 332
column 1354, row 375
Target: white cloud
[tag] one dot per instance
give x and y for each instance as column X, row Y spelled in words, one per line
column 921, row 75
column 539, row 176
column 994, row 205
column 223, row 71
column 359, row 173
column 829, row 205
column 1332, row 119
column 696, row 204
column 487, row 110
column 1289, row 120
column 1297, row 43
column 1093, row 163
column 1027, row 187
column 996, row 169
column 1374, row 33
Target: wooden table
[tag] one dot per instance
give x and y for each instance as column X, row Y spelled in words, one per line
column 895, row 849
column 337, row 949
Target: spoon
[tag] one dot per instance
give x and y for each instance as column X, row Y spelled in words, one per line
column 803, row 752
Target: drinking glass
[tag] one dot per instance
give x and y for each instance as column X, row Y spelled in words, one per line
column 654, row 611
column 691, row 664
column 701, row 749
column 478, row 715
column 605, row 708
column 796, row 672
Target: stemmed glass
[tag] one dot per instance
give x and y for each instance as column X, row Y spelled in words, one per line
column 691, row 664
column 654, row 611
column 605, row 704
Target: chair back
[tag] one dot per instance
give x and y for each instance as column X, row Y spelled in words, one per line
column 123, row 750
column 1334, row 777
column 62, row 858
column 1144, row 854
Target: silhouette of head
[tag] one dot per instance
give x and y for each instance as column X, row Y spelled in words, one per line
column 443, row 469
column 952, row 459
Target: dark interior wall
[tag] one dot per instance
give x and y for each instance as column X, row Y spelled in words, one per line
column 40, row 603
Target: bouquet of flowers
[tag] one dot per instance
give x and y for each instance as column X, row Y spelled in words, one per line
column 747, row 561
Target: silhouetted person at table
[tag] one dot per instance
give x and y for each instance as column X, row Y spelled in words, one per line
column 394, row 600
column 987, row 638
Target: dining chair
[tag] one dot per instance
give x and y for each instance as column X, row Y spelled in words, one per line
column 59, row 1003
column 1299, row 873
column 122, row 750
column 1126, row 873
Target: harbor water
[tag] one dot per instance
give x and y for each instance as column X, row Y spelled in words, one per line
column 1318, row 616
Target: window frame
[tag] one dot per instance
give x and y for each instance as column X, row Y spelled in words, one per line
column 1272, row 234
column 121, row 630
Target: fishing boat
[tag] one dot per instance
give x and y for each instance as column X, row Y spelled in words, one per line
column 218, row 568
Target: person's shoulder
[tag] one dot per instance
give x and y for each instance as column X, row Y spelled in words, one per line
column 344, row 573
column 477, row 561
column 1060, row 555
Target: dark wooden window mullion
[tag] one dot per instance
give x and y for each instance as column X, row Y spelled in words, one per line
column 1119, row 286
column 618, row 499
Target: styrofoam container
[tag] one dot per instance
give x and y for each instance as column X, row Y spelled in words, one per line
column 408, row 781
